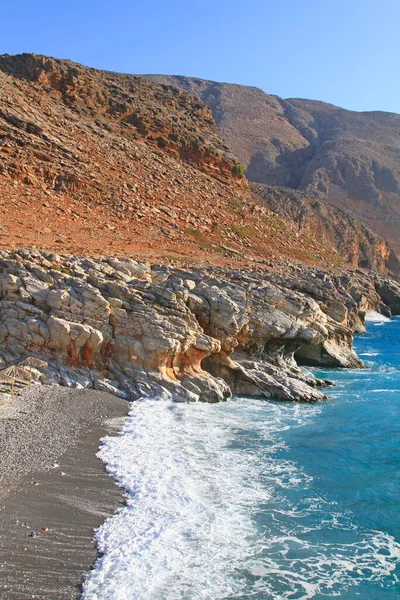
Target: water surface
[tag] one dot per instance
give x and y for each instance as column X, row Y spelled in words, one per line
column 259, row 499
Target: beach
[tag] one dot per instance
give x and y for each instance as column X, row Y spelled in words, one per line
column 54, row 491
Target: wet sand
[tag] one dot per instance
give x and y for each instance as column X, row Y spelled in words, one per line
column 53, row 489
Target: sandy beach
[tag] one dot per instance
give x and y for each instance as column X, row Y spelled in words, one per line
column 53, row 489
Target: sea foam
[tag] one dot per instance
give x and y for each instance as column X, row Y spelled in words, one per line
column 207, row 515
column 374, row 317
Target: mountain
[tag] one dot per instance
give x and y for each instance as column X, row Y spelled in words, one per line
column 350, row 159
column 93, row 162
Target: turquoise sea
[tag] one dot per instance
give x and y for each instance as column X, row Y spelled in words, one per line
column 253, row 499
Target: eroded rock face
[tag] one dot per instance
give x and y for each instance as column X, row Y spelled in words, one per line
column 133, row 329
column 164, row 116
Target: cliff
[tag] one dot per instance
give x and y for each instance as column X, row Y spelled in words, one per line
column 333, row 227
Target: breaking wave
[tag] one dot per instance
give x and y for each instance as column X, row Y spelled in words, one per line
column 215, row 509
column 374, row 317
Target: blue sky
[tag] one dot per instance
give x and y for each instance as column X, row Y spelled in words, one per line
column 343, row 52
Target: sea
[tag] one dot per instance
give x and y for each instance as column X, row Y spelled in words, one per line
column 259, row 499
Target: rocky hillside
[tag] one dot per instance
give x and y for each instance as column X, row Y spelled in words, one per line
column 333, row 227
column 348, row 158
column 99, row 163
column 232, row 297
column 134, row 329
column 91, row 161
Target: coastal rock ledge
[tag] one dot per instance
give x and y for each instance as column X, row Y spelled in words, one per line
column 135, row 329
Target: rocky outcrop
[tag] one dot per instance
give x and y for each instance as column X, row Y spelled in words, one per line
column 163, row 116
column 136, row 329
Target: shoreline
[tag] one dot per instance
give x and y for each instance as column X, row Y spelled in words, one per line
column 55, row 491
column 165, row 545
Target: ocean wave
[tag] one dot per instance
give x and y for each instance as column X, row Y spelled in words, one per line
column 372, row 317
column 324, row 569
column 208, row 515
column 385, row 390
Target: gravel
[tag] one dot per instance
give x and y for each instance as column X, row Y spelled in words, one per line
column 54, row 491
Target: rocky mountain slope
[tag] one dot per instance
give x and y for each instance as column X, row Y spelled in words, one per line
column 350, row 159
column 94, row 162
column 134, row 329
column 333, row 227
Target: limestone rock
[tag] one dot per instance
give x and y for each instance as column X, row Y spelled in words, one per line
column 195, row 335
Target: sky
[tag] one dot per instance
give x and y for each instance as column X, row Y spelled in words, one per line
column 343, row 52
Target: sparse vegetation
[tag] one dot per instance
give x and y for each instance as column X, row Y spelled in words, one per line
column 175, row 258
column 245, row 231
column 274, row 223
column 235, row 205
column 201, row 240
column 238, row 170
column 56, row 267
column 196, row 233
column 193, row 232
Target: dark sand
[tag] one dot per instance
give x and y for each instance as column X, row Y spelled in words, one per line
column 50, row 426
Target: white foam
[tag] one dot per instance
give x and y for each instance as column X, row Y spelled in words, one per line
column 188, row 531
column 374, row 317
column 386, row 390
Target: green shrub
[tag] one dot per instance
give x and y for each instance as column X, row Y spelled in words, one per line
column 238, row 170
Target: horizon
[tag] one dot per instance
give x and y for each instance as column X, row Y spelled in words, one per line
column 344, row 55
